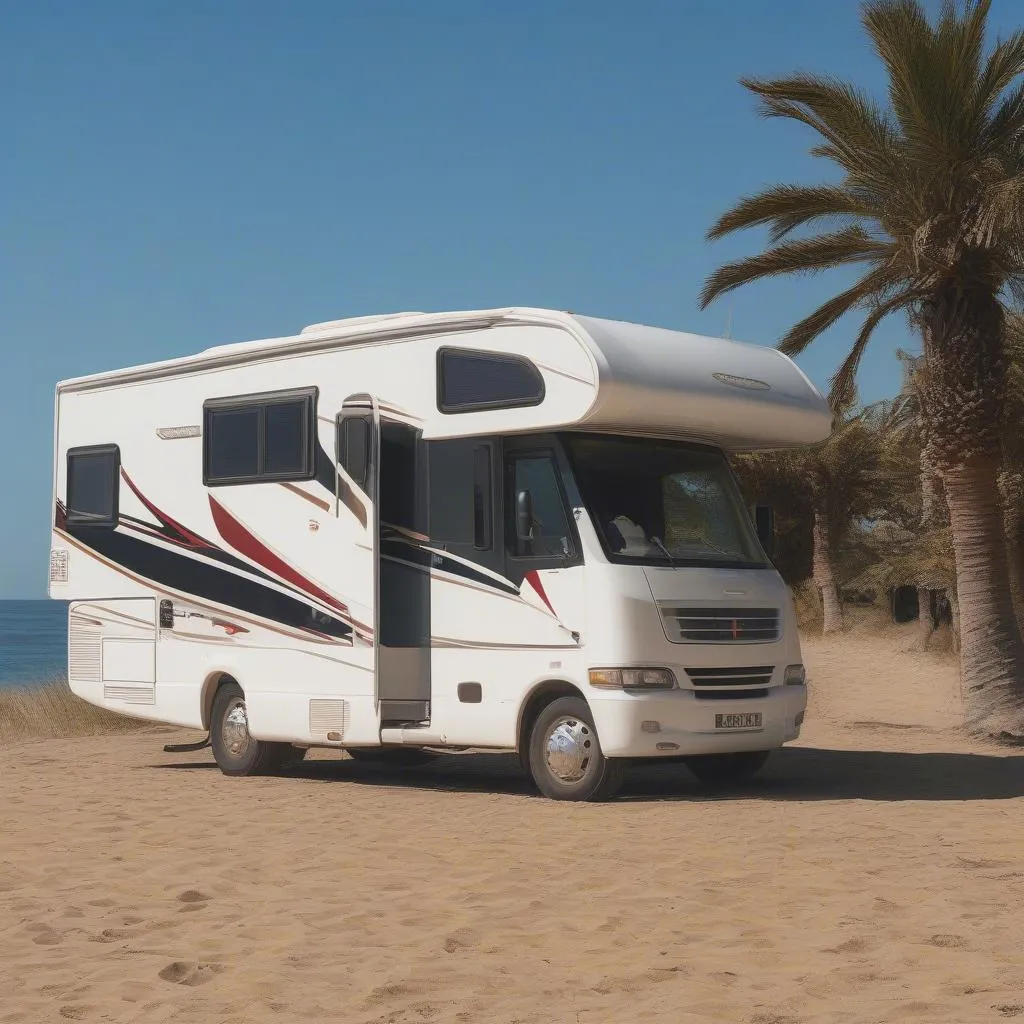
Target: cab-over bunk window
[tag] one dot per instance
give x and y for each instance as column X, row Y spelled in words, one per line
column 260, row 438
column 471, row 381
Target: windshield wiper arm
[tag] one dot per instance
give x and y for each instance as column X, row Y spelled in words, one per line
column 664, row 550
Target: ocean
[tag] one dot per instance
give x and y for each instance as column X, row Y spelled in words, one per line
column 33, row 641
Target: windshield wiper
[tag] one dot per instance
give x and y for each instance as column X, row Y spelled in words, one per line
column 664, row 550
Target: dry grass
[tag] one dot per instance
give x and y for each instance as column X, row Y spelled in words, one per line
column 872, row 620
column 51, row 710
column 810, row 617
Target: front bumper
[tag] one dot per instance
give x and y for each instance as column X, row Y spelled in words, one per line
column 686, row 724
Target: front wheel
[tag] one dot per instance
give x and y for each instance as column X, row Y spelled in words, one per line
column 235, row 751
column 565, row 757
column 727, row 769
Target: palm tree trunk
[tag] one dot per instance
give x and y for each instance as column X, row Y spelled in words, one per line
column 992, row 654
column 963, row 403
column 824, row 578
column 954, row 614
column 924, row 615
column 1013, row 522
column 930, row 497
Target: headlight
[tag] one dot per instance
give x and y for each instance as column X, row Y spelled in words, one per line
column 795, row 675
column 632, row 678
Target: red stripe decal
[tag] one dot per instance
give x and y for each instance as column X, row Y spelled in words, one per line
column 191, row 537
column 242, row 540
column 534, row 580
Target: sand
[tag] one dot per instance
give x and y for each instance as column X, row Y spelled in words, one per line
column 875, row 873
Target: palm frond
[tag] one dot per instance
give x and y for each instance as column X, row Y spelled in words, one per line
column 805, row 255
column 1005, row 64
column 900, row 32
column 934, row 75
column 803, row 333
column 842, row 387
column 1007, row 120
column 787, row 207
column 854, row 128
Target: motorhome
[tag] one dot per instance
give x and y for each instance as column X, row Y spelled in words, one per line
column 513, row 529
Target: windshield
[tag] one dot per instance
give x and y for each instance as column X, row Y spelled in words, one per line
column 663, row 502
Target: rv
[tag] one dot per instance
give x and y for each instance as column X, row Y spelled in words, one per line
column 513, row 530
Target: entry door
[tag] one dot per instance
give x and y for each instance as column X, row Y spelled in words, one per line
column 385, row 458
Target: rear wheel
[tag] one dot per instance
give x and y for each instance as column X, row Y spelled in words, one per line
column 727, row 769
column 234, row 749
column 565, row 758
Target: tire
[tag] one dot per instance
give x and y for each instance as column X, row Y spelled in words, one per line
column 235, row 751
column 717, row 770
column 397, row 757
column 579, row 770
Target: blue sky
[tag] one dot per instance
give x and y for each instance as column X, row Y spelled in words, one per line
column 177, row 176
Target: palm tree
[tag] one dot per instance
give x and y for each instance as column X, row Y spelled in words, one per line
column 841, row 481
column 911, row 558
column 930, row 206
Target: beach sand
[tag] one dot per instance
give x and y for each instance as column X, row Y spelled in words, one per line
column 875, row 873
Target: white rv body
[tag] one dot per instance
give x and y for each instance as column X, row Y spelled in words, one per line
column 346, row 628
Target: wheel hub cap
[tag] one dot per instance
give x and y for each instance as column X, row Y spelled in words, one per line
column 236, row 729
column 569, row 746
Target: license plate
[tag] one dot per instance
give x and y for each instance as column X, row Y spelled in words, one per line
column 742, row 721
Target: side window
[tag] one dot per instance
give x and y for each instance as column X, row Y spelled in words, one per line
column 399, row 480
column 536, row 508
column 461, row 493
column 469, row 381
column 258, row 438
column 93, row 483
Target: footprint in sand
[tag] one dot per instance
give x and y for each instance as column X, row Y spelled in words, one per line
column 183, row 972
column 948, row 941
column 393, row 990
column 854, row 945
column 461, row 938
column 44, row 935
column 192, row 896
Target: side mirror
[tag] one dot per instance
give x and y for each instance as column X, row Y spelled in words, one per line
column 524, row 517
column 764, row 522
column 354, row 449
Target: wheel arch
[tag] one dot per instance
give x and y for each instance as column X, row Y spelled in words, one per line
column 213, row 682
column 539, row 697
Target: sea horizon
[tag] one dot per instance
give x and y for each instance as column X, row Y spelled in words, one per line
column 33, row 641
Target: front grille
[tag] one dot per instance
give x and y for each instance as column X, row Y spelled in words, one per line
column 746, row 683
column 721, row 625
column 729, row 694
column 749, row 675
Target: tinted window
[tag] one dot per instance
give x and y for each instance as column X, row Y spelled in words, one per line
column 461, row 494
column 233, row 441
column 398, row 478
column 550, row 535
column 285, row 432
column 92, row 486
column 482, row 491
column 483, row 380
column 354, row 448
column 260, row 437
